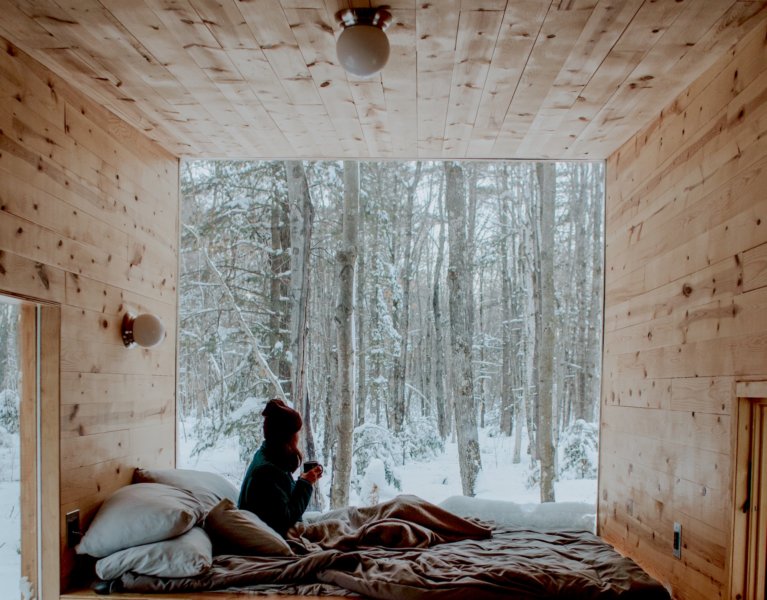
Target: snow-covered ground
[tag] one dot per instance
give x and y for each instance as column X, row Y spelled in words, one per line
column 10, row 527
column 435, row 480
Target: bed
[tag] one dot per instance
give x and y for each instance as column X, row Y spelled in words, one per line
column 406, row 548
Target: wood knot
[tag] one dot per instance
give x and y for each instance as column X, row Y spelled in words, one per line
column 686, row 290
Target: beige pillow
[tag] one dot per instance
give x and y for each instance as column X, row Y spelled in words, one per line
column 185, row 556
column 209, row 488
column 140, row 514
column 235, row 531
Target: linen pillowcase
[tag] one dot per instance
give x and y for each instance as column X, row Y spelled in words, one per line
column 188, row 555
column 235, row 531
column 140, row 514
column 209, row 488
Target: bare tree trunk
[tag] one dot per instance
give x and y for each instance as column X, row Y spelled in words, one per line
column 482, row 367
column 279, row 312
column 458, row 282
column 532, row 311
column 520, row 421
column 301, row 225
column 507, row 400
column 377, row 387
column 330, row 420
column 360, row 321
column 425, row 346
column 546, row 173
column 471, row 227
column 345, row 258
column 528, row 261
column 582, row 273
column 439, row 343
column 400, row 361
column 594, row 337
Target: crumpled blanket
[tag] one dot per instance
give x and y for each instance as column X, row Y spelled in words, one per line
column 516, row 564
column 404, row 522
column 410, row 549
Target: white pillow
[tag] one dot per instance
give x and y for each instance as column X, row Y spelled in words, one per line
column 209, row 488
column 185, row 556
column 140, row 514
column 235, row 531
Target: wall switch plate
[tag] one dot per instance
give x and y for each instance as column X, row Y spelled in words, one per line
column 73, row 528
column 678, row 540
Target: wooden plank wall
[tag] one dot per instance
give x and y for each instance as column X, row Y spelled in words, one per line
column 685, row 319
column 89, row 221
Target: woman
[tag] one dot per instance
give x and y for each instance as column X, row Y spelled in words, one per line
column 269, row 489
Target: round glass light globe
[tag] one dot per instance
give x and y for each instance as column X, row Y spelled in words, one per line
column 362, row 49
column 148, row 330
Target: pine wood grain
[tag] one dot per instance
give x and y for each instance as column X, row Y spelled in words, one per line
column 466, row 78
column 685, row 332
column 88, row 227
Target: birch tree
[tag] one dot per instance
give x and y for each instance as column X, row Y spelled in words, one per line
column 458, row 282
column 507, row 401
column 400, row 362
column 593, row 317
column 345, row 258
column 438, row 352
column 546, row 174
column 279, row 268
column 301, row 223
column 360, row 315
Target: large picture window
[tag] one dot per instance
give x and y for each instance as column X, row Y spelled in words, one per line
column 437, row 324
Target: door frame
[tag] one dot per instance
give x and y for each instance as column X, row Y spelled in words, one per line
column 39, row 353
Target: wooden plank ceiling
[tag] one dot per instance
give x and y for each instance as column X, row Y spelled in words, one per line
column 466, row 78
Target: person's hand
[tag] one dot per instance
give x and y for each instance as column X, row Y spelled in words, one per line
column 312, row 475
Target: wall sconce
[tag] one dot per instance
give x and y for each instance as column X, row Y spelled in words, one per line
column 363, row 47
column 145, row 330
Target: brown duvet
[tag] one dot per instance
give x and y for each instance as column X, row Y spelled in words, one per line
column 411, row 549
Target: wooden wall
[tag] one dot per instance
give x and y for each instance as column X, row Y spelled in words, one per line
column 685, row 318
column 89, row 221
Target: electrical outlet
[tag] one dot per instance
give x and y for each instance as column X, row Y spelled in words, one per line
column 678, row 540
column 73, row 528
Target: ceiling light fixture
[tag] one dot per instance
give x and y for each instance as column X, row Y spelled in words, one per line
column 363, row 47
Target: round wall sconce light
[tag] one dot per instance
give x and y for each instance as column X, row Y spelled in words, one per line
column 145, row 330
column 363, row 47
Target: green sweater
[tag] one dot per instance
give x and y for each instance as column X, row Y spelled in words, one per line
column 270, row 492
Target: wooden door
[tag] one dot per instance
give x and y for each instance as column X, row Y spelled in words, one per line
column 749, row 543
column 756, row 563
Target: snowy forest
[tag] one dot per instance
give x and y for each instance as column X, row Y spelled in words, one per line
column 399, row 306
column 10, row 381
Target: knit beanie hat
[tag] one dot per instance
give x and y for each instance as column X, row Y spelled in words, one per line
column 280, row 422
